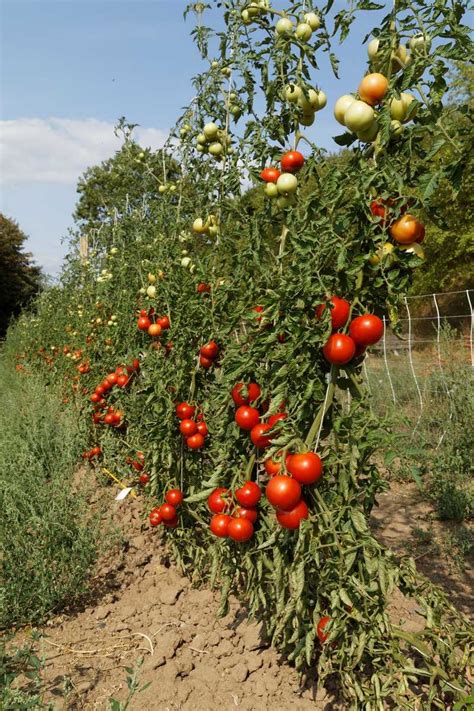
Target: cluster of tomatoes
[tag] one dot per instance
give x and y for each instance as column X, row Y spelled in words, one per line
column 214, row 140
column 84, row 367
column 284, row 491
column 239, row 523
column 119, row 378
column 208, row 354
column 282, row 184
column 194, row 431
column 139, row 464
column 151, row 323
column 363, row 331
column 93, row 453
column 167, row 513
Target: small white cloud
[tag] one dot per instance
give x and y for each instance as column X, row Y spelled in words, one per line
column 56, row 150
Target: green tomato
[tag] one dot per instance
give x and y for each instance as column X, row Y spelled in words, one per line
column 322, row 100
column 312, row 20
column 216, row 149
column 287, row 183
column 341, row 106
column 201, row 139
column 369, row 134
column 292, row 93
column 396, row 128
column 271, row 190
column 359, row 116
column 420, row 44
column 303, row 32
column 307, row 119
column 284, row 27
column 210, row 131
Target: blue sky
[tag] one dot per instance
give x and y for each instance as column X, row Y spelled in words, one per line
column 70, row 68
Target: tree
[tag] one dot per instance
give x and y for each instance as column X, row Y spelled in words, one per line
column 20, row 279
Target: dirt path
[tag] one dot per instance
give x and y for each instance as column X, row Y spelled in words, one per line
column 144, row 610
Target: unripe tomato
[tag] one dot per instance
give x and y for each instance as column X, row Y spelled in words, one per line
column 196, row 441
column 155, row 517
column 188, row 427
column 341, row 106
column 242, row 512
column 287, row 183
column 185, row 411
column 202, row 429
column 292, row 161
column 163, row 322
column 144, row 479
column 312, row 20
column 339, row 311
column 373, row 88
column 143, row 323
column 292, row 518
column 220, row 525
column 303, row 31
column 154, row 330
column 284, row 27
column 247, row 417
column 369, row 134
column 271, row 190
column 322, row 636
column 216, row 502
column 292, row 93
column 283, row 492
column 174, row 497
column 366, row 330
column 258, row 436
column 211, row 130
column 270, row 175
column 209, row 350
column 305, row 467
column 253, row 393
column 406, row 229
column 359, row 116
column 249, row 494
column 339, row 349
column 240, row 529
column 168, row 512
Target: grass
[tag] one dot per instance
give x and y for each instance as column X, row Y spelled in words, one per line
column 48, row 538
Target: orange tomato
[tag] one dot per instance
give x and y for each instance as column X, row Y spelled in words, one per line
column 406, row 229
column 373, row 88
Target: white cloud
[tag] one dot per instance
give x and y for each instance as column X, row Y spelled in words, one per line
column 57, row 150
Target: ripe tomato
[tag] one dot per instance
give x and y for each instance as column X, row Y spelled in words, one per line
column 242, row 512
column 270, row 175
column 293, row 517
column 247, row 417
column 322, row 636
column 220, row 525
column 143, row 323
column 292, row 161
column 259, row 310
column 421, row 234
column 272, row 467
column 205, row 362
column 188, row 428
column 154, row 330
column 202, row 429
column 253, row 393
column 95, row 397
column 174, row 497
column 100, row 390
column 216, row 502
column 140, row 456
column 406, row 229
column 283, row 492
column 373, row 88
column 209, row 350
column 122, row 381
column 366, row 330
column 172, row 523
column 96, row 418
column 185, row 411
column 240, row 529
column 112, row 378
column 273, row 419
column 377, row 209
column 116, row 418
column 249, row 494
column 258, row 436
column 96, row 452
column 339, row 349
column 136, row 364
column 203, row 288
column 106, row 385
column 144, row 479
column 163, row 322
column 196, row 441
column 340, row 310
column 143, row 312
column 305, row 467
column 138, row 466
column 168, row 512
column 155, row 517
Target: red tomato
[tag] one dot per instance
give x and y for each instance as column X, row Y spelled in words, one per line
column 185, row 411
column 168, row 512
column 249, row 494
column 283, row 492
column 250, row 514
column 322, row 636
column 188, row 428
column 143, row 312
column 202, row 429
column 240, row 529
column 174, row 497
column 366, row 330
column 339, row 349
column 112, row 378
column 259, row 310
column 138, row 466
column 100, row 390
column 144, row 479
column 220, row 525
column 292, row 161
column 272, row 467
column 155, row 517
column 143, row 323
column 270, row 175
column 247, row 417
column 119, row 370
column 209, row 350
column 258, row 436
column 96, row 451
column 216, row 502
column 203, row 288
column 96, row 418
column 205, row 362
column 305, row 467
column 421, row 234
column 293, row 518
column 172, row 523
column 273, row 419
column 95, row 397
column 196, row 441
column 340, row 310
column 253, row 393
column 116, row 418
column 163, row 322
column 140, row 456
column 377, row 209
column 136, row 364
column 106, row 385
column 122, row 381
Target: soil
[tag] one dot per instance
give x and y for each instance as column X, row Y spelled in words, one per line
column 146, row 617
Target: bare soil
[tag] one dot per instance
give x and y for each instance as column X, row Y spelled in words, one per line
column 142, row 609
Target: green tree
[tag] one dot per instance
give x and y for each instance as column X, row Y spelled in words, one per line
column 20, row 279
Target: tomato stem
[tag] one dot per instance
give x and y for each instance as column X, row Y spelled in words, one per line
column 314, row 429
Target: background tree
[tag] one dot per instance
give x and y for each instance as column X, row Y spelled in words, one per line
column 20, row 279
